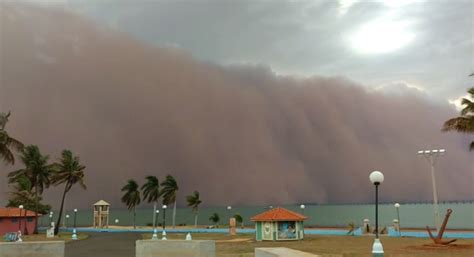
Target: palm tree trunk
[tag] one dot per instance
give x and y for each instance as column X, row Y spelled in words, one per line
column 174, row 214
column 196, row 220
column 134, row 216
column 56, row 228
column 154, row 213
column 36, row 210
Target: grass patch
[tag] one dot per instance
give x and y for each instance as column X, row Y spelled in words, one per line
column 331, row 245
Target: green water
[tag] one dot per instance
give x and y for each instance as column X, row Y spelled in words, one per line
column 411, row 215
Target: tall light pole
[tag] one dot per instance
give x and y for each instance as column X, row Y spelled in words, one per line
column 19, row 217
column 376, row 177
column 432, row 156
column 74, row 235
column 229, row 209
column 397, row 206
column 164, row 222
column 51, row 218
column 67, row 220
column 155, row 232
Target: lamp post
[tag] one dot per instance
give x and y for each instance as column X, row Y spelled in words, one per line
column 397, row 206
column 74, row 234
column 67, row 220
column 51, row 218
column 155, row 232
column 376, row 177
column 302, row 207
column 164, row 222
column 432, row 156
column 229, row 209
column 19, row 217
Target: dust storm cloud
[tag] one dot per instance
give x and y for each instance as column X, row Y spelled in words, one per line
column 238, row 134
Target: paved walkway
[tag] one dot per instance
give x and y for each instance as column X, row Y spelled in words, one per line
column 104, row 245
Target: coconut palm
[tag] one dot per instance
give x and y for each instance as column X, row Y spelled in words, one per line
column 23, row 195
column 37, row 170
column 151, row 192
column 465, row 122
column 7, row 143
column 239, row 219
column 131, row 197
column 215, row 218
column 168, row 192
column 69, row 172
column 194, row 202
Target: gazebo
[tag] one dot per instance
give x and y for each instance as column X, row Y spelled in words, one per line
column 279, row 224
column 101, row 214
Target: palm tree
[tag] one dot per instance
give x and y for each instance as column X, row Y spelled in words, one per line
column 465, row 122
column 131, row 197
column 239, row 219
column 69, row 172
column 151, row 192
column 37, row 170
column 194, row 202
column 215, row 218
column 169, row 191
column 7, row 143
column 23, row 195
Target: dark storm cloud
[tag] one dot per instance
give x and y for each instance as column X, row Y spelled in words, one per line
column 309, row 37
column 238, row 134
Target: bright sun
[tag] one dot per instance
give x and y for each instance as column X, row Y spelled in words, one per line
column 380, row 37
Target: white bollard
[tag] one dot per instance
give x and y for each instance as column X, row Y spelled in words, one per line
column 155, row 235
column 188, row 237
column 163, row 235
column 74, row 235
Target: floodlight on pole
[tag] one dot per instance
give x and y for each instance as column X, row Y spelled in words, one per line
column 432, row 156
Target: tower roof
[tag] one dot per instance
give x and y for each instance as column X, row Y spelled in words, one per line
column 279, row 214
column 101, row 202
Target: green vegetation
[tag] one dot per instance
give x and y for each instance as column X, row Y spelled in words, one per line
column 243, row 245
column 37, row 174
column 23, row 195
column 169, row 192
column 7, row 143
column 68, row 171
column 37, row 170
column 215, row 218
column 194, row 201
column 131, row 197
column 465, row 122
column 238, row 218
column 151, row 193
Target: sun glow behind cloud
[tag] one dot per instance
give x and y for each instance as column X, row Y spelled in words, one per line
column 457, row 102
column 379, row 37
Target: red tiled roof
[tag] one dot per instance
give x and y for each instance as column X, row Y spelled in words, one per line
column 279, row 214
column 15, row 212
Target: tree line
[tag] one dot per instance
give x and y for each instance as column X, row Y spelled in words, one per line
column 38, row 173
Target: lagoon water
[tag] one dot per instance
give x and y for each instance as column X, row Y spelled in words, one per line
column 411, row 215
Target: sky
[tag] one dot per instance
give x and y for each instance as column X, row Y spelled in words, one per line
column 427, row 45
column 225, row 95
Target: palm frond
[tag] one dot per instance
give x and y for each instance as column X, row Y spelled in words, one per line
column 151, row 189
column 460, row 124
column 469, row 107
